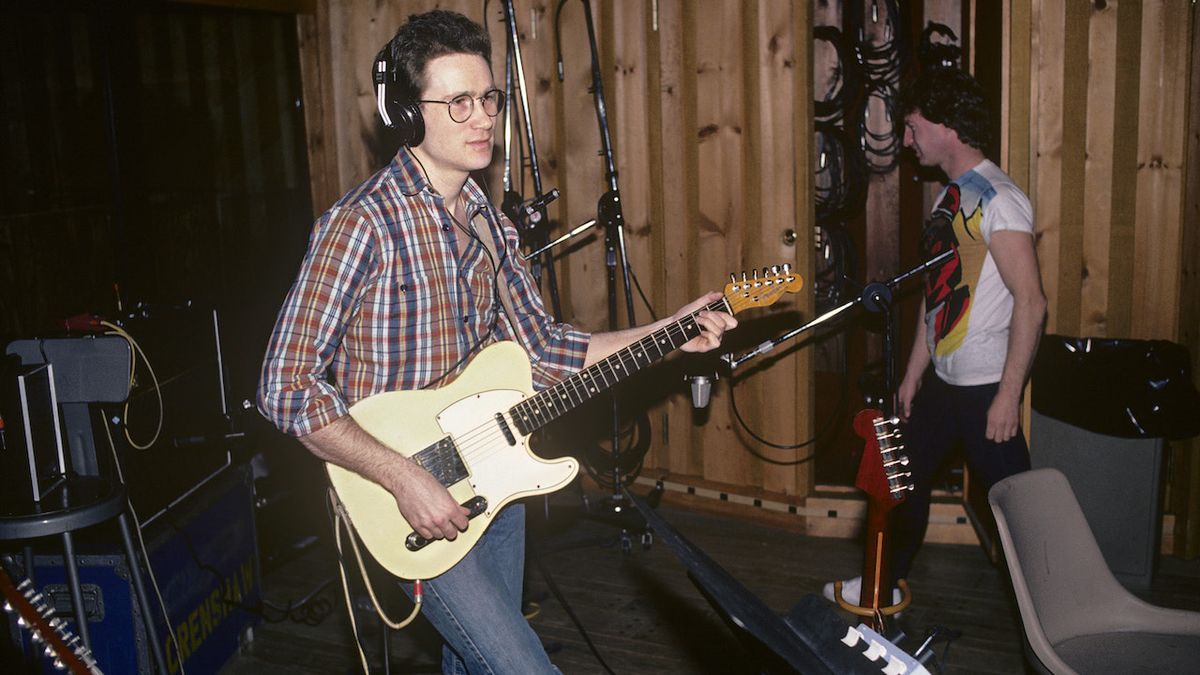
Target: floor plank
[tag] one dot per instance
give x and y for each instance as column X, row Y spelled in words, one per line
column 645, row 616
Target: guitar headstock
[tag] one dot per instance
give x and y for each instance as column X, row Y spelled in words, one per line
column 891, row 451
column 755, row 290
column 883, row 472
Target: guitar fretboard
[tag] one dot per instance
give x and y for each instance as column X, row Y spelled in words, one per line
column 546, row 406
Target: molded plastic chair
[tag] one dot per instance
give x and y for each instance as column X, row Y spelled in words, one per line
column 1077, row 617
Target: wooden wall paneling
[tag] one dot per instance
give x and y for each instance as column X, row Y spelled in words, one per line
column 582, row 177
column 804, row 213
column 654, row 146
column 316, row 76
column 1122, row 206
column 783, row 105
column 719, row 35
column 627, row 32
column 1074, row 104
column 676, row 201
column 1185, row 479
column 1097, row 169
column 1018, row 114
column 1046, row 129
column 625, row 72
column 1160, row 161
column 1018, row 105
column 753, row 410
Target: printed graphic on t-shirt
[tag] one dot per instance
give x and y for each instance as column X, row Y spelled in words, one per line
column 948, row 288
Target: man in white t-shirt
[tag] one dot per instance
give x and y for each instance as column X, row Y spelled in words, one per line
column 981, row 315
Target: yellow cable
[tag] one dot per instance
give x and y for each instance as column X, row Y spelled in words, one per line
column 137, row 527
column 114, row 329
column 339, row 518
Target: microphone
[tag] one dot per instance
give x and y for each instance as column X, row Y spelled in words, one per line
column 701, row 389
column 532, row 207
column 556, row 242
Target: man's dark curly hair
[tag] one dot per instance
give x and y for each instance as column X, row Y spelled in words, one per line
column 427, row 36
column 952, row 98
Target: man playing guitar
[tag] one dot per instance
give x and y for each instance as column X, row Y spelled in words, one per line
column 404, row 281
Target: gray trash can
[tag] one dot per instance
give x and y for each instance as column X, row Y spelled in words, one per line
column 1102, row 411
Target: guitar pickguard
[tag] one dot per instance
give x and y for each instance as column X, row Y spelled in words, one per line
column 454, row 428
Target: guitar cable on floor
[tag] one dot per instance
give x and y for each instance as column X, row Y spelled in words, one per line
column 562, row 600
column 340, row 517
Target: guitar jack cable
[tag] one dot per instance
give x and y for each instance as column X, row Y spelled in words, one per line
column 340, row 518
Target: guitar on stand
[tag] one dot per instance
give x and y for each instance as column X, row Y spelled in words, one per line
column 882, row 475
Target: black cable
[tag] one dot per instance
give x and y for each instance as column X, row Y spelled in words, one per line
column 562, row 600
column 841, row 175
column 833, row 424
column 881, row 63
column 496, row 303
column 847, row 77
column 830, row 282
column 939, row 54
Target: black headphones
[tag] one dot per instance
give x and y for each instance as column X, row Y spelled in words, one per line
column 397, row 105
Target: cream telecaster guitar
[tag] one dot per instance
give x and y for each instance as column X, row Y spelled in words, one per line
column 472, row 434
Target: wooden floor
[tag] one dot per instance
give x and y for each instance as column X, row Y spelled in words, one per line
column 645, row 616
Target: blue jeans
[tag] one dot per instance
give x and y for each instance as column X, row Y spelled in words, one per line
column 944, row 418
column 476, row 605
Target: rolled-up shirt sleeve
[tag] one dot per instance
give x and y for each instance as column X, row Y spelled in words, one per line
column 295, row 391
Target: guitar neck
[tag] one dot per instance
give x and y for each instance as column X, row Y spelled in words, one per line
column 546, row 406
column 64, row 647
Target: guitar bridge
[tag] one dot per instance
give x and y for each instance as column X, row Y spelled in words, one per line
column 476, row 505
column 443, row 461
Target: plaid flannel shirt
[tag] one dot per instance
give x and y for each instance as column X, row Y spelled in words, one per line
column 382, row 302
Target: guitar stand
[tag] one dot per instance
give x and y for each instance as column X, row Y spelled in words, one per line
column 887, row 611
column 620, row 512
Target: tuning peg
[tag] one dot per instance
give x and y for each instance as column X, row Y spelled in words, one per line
column 787, row 268
column 775, row 269
column 743, row 277
column 732, row 278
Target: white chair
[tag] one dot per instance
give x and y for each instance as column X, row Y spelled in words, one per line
column 1077, row 617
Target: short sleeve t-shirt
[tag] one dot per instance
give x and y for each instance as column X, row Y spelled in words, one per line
column 967, row 306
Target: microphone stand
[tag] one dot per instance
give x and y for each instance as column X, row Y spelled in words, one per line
column 531, row 221
column 876, row 297
column 609, row 214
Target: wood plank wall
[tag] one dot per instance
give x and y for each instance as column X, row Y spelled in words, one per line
column 710, row 113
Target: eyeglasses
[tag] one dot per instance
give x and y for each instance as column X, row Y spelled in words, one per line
column 461, row 107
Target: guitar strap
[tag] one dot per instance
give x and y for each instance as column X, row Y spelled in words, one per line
column 488, row 240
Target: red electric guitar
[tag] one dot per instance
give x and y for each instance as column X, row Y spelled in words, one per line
column 883, row 476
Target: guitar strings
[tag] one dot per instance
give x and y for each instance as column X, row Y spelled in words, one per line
column 479, row 443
